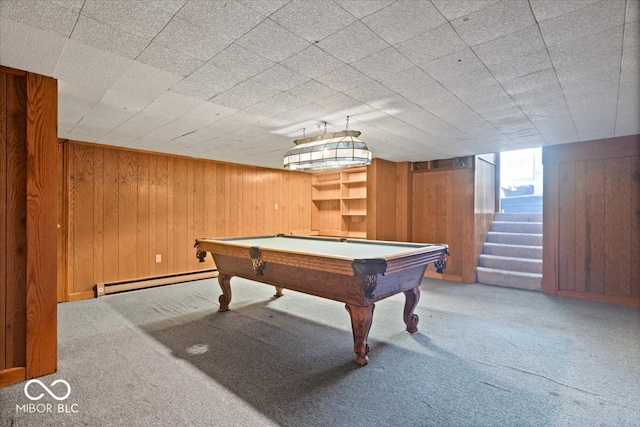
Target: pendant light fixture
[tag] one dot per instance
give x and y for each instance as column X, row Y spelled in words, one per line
column 328, row 151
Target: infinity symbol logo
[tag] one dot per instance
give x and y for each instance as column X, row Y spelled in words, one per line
column 45, row 388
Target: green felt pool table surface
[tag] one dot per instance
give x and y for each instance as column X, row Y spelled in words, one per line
column 330, row 247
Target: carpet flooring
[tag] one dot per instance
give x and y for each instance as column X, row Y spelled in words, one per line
column 483, row 356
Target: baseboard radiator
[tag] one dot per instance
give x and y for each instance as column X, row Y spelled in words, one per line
column 107, row 288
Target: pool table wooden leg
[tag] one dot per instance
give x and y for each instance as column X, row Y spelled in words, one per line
column 412, row 296
column 361, row 324
column 224, row 281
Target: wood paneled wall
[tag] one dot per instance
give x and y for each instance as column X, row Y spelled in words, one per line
column 592, row 220
column 126, row 207
column 484, row 201
column 382, row 195
column 28, row 127
column 443, row 212
column 13, row 220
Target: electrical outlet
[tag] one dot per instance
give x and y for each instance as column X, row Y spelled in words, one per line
column 158, row 258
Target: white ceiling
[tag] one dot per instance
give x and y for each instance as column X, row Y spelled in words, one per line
column 239, row 80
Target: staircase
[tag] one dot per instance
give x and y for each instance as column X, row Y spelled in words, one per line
column 512, row 255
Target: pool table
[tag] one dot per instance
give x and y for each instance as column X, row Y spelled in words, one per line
column 353, row 271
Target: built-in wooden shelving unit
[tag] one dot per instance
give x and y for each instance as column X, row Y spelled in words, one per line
column 340, row 203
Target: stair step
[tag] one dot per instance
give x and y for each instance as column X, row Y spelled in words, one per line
column 511, row 279
column 518, row 217
column 517, row 227
column 517, row 251
column 525, row 239
column 511, row 264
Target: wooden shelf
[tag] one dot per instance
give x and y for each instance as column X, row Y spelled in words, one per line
column 325, row 184
column 345, row 210
column 324, row 199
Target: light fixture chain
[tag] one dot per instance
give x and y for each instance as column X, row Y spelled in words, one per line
column 347, row 127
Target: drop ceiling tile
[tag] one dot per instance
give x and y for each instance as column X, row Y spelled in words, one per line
column 313, row 21
column 455, row 9
column 169, row 6
column 395, row 104
column 494, row 21
column 403, row 20
column 370, row 93
column 244, row 95
column 631, row 40
column 433, row 98
column 228, row 20
column 206, row 82
column 627, row 122
column 312, row 91
column 588, row 54
column 510, row 47
column 281, row 78
column 87, row 133
column 203, row 137
column 532, row 63
column 143, row 123
column 344, row 78
column 354, row 42
column 360, row 9
column 548, row 9
column 118, row 138
column 276, row 105
column 406, row 81
column 343, row 106
column 171, row 105
column 129, row 101
column 312, row 62
column 241, row 62
column 533, row 81
column 173, row 130
column 381, row 64
column 144, row 143
column 452, row 66
column 145, row 81
column 271, row 41
column 292, row 122
column 28, row 48
column 191, row 40
column 207, row 112
column 93, row 94
column 74, row 5
column 583, row 22
column 432, row 44
column 102, row 36
column 133, row 17
column 170, row 60
column 593, row 126
column 633, row 11
column 105, row 116
column 264, row 7
column 86, row 66
column 227, row 125
column 394, row 126
column 42, row 15
column 71, row 109
column 428, row 123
